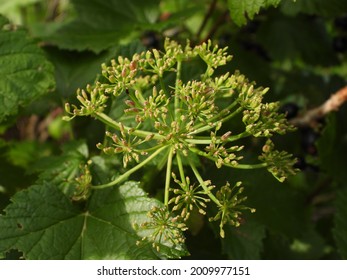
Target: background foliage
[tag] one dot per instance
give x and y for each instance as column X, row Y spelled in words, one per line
column 50, row 48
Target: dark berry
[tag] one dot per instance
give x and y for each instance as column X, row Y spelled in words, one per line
column 305, row 166
column 300, row 163
column 340, row 44
column 290, row 110
column 256, row 48
column 224, row 40
column 252, row 26
column 150, row 40
column 308, row 141
column 341, row 23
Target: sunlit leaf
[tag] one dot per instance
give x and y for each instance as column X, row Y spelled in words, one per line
column 43, row 223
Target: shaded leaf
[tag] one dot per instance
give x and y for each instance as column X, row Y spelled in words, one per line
column 280, row 208
column 103, row 24
column 310, row 245
column 25, row 73
column 312, row 44
column 317, row 7
column 244, row 242
column 75, row 69
column 332, row 146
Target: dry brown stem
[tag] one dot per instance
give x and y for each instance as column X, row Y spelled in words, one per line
column 311, row 117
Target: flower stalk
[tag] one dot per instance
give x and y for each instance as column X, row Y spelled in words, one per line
column 189, row 119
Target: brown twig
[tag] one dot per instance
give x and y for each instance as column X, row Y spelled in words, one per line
column 207, row 16
column 215, row 27
column 311, row 117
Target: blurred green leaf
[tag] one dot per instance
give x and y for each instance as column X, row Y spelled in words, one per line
column 25, row 153
column 280, row 38
column 100, row 25
column 332, row 145
column 74, row 69
column 279, row 207
column 314, row 7
column 244, row 242
column 25, row 73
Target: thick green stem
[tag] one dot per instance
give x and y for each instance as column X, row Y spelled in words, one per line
column 124, row 176
column 208, row 127
column 181, row 169
column 207, row 140
column 248, row 166
column 203, row 184
column 168, row 176
column 237, row 166
column 177, row 99
column 140, row 133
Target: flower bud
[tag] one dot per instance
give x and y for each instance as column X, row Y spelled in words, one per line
column 133, row 65
column 67, row 108
column 225, row 136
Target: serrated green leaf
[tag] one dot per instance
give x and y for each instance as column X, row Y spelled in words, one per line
column 241, row 10
column 312, row 44
column 25, row 73
column 103, row 24
column 43, row 223
column 340, row 229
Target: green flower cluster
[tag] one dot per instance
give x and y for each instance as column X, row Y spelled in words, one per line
column 180, row 120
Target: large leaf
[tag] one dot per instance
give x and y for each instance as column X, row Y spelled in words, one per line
column 102, row 24
column 241, row 10
column 43, row 223
column 281, row 39
column 280, row 208
column 25, row 73
column 340, row 228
